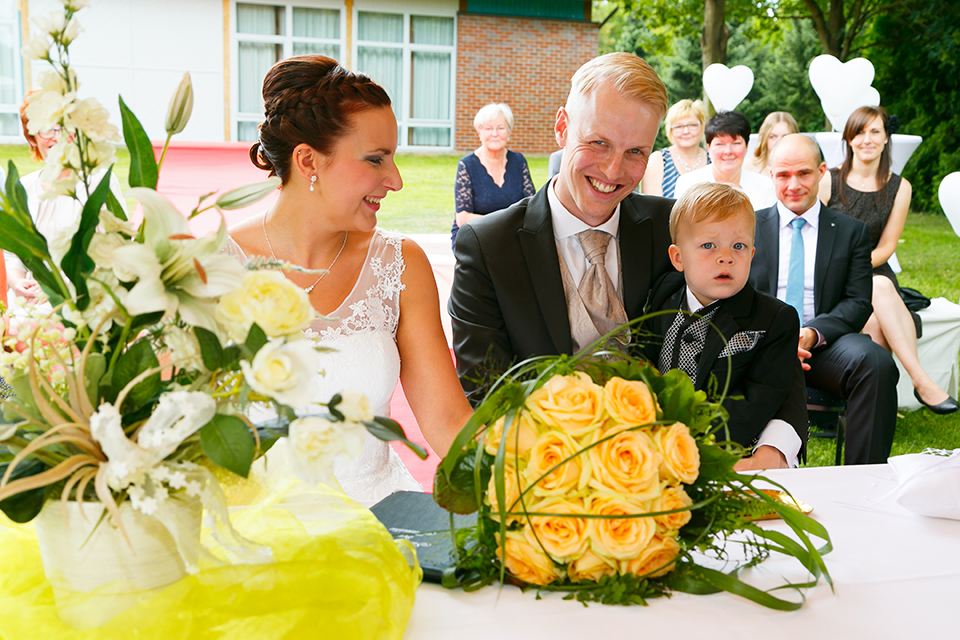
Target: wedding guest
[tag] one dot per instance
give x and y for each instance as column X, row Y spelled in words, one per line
column 865, row 188
column 50, row 216
column 684, row 127
column 331, row 136
column 776, row 125
column 712, row 227
column 552, row 273
column 492, row 177
column 727, row 134
column 818, row 261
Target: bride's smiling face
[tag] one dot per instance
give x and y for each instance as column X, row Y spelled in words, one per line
column 361, row 170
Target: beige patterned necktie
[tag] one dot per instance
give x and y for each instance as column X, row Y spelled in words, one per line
column 597, row 292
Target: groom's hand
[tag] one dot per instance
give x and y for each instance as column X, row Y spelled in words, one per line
column 765, row 457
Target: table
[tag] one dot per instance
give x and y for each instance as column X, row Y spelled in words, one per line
column 896, row 575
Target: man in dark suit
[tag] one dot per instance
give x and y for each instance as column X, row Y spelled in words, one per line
column 529, row 278
column 509, row 299
column 831, row 287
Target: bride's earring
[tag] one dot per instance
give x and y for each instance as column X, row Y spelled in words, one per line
column 312, row 180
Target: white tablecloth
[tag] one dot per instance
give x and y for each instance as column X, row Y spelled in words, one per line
column 897, row 575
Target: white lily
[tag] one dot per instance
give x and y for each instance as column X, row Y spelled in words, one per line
column 248, row 194
column 180, row 107
column 194, row 271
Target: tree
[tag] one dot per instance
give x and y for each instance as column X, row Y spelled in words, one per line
column 840, row 24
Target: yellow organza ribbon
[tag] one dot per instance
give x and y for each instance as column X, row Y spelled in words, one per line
column 338, row 574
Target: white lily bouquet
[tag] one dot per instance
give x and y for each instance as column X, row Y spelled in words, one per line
column 157, row 341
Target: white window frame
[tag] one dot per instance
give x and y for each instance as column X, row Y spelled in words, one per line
column 287, row 41
column 17, row 77
column 404, row 121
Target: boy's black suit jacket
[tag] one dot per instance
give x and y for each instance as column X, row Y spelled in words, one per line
column 764, row 368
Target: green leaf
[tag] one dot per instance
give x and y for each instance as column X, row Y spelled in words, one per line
column 231, row 357
column 25, row 506
column 115, row 207
column 137, row 358
column 93, row 372
column 143, row 164
column 256, row 338
column 210, row 349
column 77, row 265
column 228, row 442
column 734, row 585
column 390, row 431
column 457, row 492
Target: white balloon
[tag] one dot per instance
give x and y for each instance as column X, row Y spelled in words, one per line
column 843, row 87
column 950, row 199
column 727, row 87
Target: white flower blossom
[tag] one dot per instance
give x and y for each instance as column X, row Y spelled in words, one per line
column 184, row 348
column 282, row 371
column 355, row 406
column 112, row 224
column 70, row 31
column 52, row 24
column 102, row 303
column 90, row 117
column 7, row 431
column 314, row 443
column 37, row 48
column 177, row 416
column 75, row 5
column 45, row 109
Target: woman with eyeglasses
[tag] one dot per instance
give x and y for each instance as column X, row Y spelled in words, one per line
column 684, row 125
column 492, row 177
column 55, row 218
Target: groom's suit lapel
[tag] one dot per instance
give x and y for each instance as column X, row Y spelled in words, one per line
column 543, row 264
column 636, row 257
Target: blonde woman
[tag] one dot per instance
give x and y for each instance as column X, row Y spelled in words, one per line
column 775, row 126
column 684, row 125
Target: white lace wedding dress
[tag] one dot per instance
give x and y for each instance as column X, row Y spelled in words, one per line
column 362, row 331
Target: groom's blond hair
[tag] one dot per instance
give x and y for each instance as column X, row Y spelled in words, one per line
column 630, row 75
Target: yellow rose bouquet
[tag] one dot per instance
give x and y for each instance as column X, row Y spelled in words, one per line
column 597, row 476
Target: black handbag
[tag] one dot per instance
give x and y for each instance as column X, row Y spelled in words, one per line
column 913, row 299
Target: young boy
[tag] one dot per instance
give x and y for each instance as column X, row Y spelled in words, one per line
column 712, row 228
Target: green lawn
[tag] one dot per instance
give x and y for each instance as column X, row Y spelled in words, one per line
column 929, row 253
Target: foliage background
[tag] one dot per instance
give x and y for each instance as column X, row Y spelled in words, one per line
column 913, row 44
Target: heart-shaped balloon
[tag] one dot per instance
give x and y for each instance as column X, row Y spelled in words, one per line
column 950, row 199
column 727, row 87
column 842, row 87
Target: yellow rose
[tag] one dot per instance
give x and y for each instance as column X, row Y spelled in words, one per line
column 672, row 498
column 573, row 404
column 590, row 566
column 560, row 536
column 551, row 449
column 619, row 538
column 681, row 457
column 629, row 402
column 279, row 307
column 520, row 438
column 628, row 463
column 525, row 561
column 657, row 559
column 512, row 483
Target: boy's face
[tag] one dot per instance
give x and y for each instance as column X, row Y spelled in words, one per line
column 714, row 256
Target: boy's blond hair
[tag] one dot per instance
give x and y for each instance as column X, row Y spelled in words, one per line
column 710, row 202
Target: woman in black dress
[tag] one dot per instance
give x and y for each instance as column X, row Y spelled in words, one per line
column 492, row 177
column 865, row 188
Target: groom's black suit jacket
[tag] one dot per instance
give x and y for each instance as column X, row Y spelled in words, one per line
column 507, row 301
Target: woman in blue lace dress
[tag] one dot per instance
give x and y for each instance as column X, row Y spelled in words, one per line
column 492, row 177
column 684, row 126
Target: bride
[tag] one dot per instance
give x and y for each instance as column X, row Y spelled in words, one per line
column 330, row 135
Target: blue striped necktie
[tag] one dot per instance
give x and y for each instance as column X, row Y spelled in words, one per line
column 795, row 274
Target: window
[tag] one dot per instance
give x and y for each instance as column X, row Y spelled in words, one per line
column 268, row 33
column 11, row 86
column 413, row 58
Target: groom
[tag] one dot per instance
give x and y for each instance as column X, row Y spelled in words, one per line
column 554, row 272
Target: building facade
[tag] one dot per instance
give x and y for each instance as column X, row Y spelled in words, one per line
column 440, row 60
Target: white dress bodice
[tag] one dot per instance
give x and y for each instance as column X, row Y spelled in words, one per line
column 362, row 335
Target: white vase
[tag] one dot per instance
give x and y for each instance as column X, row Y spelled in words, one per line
column 95, row 572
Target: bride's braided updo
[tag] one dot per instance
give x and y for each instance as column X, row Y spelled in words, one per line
column 309, row 100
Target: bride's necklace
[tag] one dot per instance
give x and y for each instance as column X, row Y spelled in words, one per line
column 687, row 167
column 263, row 224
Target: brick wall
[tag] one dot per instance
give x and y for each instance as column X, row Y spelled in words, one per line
column 525, row 62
